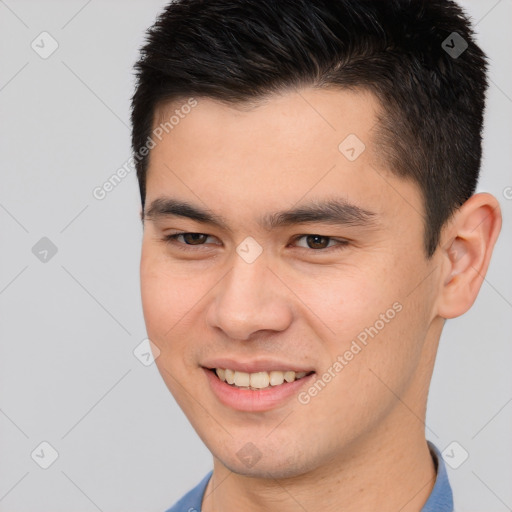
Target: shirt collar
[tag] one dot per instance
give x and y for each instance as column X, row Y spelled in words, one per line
column 441, row 498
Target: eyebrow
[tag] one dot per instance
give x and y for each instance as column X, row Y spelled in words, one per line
column 337, row 211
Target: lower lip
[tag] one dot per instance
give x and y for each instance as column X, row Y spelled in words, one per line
column 254, row 401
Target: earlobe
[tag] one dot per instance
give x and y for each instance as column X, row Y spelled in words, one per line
column 469, row 240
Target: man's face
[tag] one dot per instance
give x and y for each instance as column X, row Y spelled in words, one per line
column 255, row 297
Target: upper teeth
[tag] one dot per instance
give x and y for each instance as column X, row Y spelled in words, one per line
column 258, row 380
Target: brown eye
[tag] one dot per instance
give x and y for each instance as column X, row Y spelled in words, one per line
column 317, row 241
column 184, row 240
column 320, row 243
column 194, row 238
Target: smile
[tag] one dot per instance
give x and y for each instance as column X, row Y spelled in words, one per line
column 257, row 380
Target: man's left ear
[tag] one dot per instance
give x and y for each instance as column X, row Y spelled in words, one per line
column 466, row 248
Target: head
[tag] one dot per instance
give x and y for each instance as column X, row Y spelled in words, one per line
column 326, row 155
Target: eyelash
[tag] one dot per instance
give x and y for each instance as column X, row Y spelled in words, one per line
column 172, row 240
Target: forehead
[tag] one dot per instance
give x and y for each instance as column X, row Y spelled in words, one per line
column 238, row 158
column 328, row 109
column 289, row 133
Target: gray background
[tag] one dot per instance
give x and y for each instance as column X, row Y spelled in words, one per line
column 68, row 375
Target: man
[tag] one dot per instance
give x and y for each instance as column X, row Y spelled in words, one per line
column 307, row 172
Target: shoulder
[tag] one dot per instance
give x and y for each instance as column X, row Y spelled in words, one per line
column 191, row 502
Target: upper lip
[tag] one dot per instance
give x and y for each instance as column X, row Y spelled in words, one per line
column 255, row 365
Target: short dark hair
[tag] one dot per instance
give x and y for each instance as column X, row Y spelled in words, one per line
column 403, row 51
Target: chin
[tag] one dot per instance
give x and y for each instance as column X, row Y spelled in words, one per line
column 267, row 470
column 266, row 463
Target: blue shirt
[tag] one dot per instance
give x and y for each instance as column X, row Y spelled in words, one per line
column 440, row 499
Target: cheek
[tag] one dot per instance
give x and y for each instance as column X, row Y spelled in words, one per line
column 344, row 301
column 166, row 298
column 377, row 320
column 166, row 301
column 173, row 300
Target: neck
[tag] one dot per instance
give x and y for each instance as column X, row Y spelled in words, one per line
column 391, row 471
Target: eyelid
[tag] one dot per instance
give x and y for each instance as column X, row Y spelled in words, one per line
column 341, row 242
column 171, row 239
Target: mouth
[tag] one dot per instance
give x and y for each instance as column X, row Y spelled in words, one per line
column 257, row 381
column 256, row 391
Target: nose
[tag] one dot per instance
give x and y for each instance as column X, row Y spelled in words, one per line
column 250, row 299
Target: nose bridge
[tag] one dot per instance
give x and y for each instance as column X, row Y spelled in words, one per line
column 249, row 299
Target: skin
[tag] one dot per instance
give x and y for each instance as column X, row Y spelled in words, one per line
column 359, row 444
